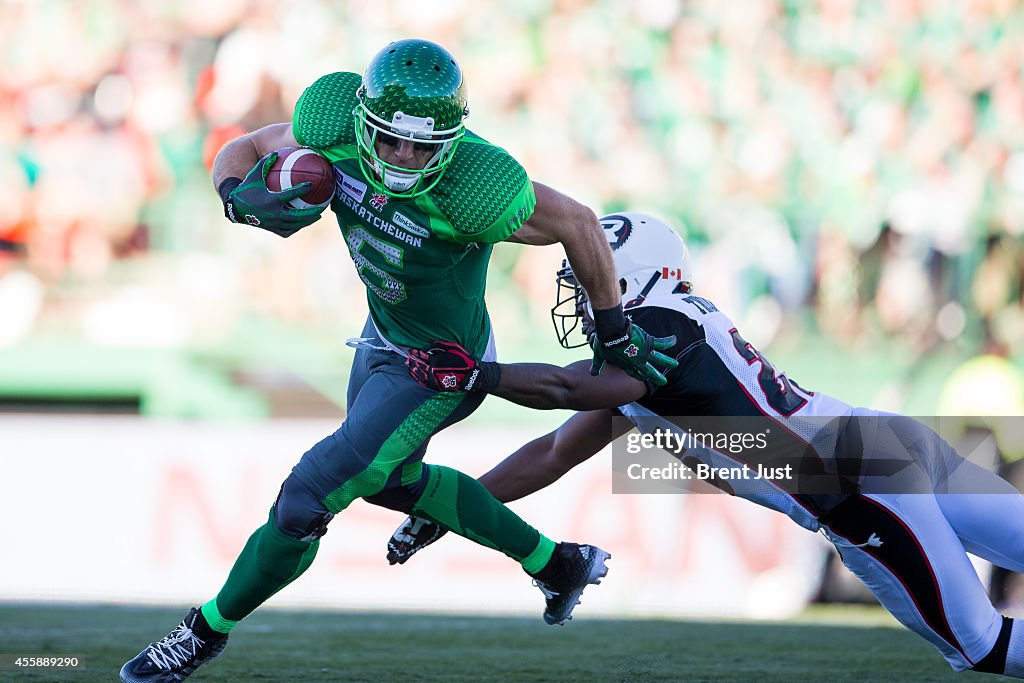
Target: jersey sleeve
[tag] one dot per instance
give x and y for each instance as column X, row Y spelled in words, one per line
column 485, row 194
column 323, row 115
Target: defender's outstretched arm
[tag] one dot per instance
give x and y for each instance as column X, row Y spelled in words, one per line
column 547, row 387
column 544, row 460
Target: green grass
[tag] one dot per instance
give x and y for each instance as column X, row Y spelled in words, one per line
column 825, row 644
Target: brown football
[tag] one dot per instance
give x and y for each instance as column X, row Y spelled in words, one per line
column 297, row 165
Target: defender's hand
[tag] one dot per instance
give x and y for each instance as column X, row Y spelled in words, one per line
column 447, row 366
column 412, row 536
column 250, row 201
column 637, row 353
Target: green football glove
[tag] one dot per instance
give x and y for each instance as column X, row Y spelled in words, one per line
column 633, row 350
column 250, row 201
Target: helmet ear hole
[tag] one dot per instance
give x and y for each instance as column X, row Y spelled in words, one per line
column 622, row 286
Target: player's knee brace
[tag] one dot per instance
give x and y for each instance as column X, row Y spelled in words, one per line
column 298, row 513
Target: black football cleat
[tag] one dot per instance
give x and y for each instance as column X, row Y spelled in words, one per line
column 571, row 569
column 174, row 657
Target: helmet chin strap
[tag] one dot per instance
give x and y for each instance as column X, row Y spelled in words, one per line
column 636, row 293
column 394, row 180
column 399, row 182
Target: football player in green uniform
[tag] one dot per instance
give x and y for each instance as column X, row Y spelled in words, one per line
column 420, row 202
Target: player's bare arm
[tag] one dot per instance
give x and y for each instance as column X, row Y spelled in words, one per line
column 549, row 387
column 558, row 218
column 544, row 460
column 446, row 366
column 237, row 157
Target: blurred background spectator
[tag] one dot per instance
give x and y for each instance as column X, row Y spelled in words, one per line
column 850, row 176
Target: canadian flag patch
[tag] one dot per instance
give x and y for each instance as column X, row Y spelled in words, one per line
column 672, row 273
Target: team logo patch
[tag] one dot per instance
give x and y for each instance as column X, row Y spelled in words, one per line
column 632, row 350
column 617, row 228
column 356, row 189
column 378, row 200
column 449, row 381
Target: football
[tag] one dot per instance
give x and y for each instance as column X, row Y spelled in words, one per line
column 297, row 165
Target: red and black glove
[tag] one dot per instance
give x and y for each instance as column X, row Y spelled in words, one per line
column 447, row 366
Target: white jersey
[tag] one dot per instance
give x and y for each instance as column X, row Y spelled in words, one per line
column 907, row 546
column 721, row 374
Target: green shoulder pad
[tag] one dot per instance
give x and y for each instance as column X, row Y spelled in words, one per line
column 323, row 114
column 485, row 194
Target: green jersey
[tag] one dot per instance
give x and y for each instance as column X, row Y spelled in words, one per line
column 423, row 260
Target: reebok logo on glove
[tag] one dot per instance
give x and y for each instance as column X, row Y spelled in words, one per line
column 616, row 342
column 471, row 382
column 637, row 353
column 447, row 366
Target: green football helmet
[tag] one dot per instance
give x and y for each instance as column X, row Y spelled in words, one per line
column 411, row 90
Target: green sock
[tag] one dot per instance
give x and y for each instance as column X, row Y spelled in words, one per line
column 269, row 561
column 215, row 619
column 462, row 504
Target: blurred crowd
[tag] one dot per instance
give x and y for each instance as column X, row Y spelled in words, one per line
column 855, row 168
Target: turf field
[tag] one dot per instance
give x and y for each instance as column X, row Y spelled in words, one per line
column 825, row 644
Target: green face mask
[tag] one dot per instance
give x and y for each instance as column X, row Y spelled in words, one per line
column 412, row 90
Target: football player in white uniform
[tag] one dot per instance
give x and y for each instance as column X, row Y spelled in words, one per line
column 904, row 533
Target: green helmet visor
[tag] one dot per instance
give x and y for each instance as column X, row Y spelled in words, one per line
column 394, row 180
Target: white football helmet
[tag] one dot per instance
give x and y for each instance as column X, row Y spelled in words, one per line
column 650, row 259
